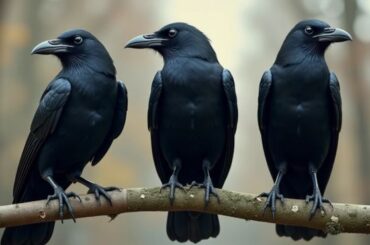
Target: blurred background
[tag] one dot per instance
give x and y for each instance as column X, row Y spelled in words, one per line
column 246, row 35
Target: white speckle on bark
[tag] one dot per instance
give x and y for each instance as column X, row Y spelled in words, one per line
column 295, row 208
column 42, row 214
column 334, row 219
column 142, row 196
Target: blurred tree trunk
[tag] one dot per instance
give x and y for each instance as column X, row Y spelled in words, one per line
column 24, row 74
column 34, row 27
column 359, row 90
column 359, row 94
column 2, row 8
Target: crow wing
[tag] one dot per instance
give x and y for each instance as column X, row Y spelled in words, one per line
column 336, row 123
column 163, row 171
column 222, row 167
column 263, row 107
column 43, row 125
column 117, row 125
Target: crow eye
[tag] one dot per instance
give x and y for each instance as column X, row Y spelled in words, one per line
column 308, row 30
column 172, row 33
column 78, row 40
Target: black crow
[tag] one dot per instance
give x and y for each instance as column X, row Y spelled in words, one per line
column 299, row 116
column 81, row 112
column 192, row 118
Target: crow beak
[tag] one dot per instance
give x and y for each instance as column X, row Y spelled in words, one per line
column 333, row 35
column 146, row 41
column 51, row 47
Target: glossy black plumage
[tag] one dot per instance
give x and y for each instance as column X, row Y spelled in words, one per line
column 80, row 113
column 192, row 119
column 299, row 116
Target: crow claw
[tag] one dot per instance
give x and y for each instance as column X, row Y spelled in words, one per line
column 102, row 191
column 271, row 200
column 172, row 184
column 63, row 200
column 318, row 202
column 209, row 190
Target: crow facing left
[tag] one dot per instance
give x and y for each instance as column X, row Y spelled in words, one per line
column 81, row 112
column 192, row 119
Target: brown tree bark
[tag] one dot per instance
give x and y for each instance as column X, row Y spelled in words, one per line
column 339, row 218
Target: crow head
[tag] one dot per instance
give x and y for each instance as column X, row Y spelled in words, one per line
column 176, row 40
column 77, row 48
column 310, row 37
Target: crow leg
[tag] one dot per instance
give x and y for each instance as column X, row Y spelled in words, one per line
column 62, row 197
column 173, row 182
column 273, row 195
column 207, row 183
column 97, row 189
column 316, row 196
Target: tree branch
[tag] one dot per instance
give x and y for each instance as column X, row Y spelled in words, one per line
column 341, row 218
